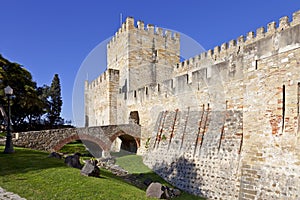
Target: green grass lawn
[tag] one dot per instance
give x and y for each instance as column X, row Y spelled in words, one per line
column 74, row 147
column 33, row 175
column 133, row 164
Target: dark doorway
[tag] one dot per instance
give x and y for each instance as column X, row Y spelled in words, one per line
column 134, row 117
column 128, row 143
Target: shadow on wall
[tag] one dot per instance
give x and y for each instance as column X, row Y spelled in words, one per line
column 176, row 174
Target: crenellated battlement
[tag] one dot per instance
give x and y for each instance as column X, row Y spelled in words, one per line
column 130, row 25
column 110, row 75
column 222, row 53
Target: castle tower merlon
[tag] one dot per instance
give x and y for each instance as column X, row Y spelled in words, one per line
column 250, row 37
column 150, row 28
column 191, row 61
column 271, row 28
column 186, row 63
column 296, row 18
column 120, row 31
column 224, row 47
column 240, row 40
column 86, row 84
column 216, row 51
column 283, row 23
column 140, row 25
column 123, row 27
column 129, row 23
column 168, row 34
column 203, row 55
column 159, row 31
column 260, row 32
column 176, row 36
column 209, row 53
column 232, row 43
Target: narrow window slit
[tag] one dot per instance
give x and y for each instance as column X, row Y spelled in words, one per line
column 298, row 107
column 283, row 106
column 256, row 64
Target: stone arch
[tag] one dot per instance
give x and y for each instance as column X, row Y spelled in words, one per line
column 98, row 141
column 129, row 142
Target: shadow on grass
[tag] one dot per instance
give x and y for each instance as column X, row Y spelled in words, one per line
column 25, row 160
column 140, row 173
column 121, row 153
column 139, row 180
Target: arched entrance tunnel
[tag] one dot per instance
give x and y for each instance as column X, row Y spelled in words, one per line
column 125, row 143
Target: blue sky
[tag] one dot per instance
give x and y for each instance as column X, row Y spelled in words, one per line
column 49, row 37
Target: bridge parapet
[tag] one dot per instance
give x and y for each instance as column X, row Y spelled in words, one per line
column 55, row 139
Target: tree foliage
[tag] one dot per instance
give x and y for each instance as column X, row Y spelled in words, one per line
column 55, row 102
column 30, row 105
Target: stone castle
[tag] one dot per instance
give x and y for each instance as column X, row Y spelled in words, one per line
column 224, row 124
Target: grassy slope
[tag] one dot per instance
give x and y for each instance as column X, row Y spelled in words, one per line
column 134, row 165
column 34, row 176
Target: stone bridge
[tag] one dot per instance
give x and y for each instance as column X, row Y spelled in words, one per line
column 55, row 139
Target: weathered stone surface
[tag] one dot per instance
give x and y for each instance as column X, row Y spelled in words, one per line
column 154, row 190
column 228, row 115
column 90, row 169
column 55, row 139
column 5, row 195
column 73, row 161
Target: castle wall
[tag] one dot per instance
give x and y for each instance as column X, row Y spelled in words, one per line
column 225, row 124
column 239, row 140
column 101, row 99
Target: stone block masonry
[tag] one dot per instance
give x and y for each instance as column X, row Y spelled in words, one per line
column 53, row 140
column 224, row 124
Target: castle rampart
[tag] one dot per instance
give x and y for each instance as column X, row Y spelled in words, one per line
column 224, row 123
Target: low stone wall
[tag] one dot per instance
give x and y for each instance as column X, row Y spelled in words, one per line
column 53, row 140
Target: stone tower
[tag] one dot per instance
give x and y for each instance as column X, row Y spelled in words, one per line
column 143, row 56
column 136, row 57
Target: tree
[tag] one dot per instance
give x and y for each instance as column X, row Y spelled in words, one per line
column 32, row 107
column 55, row 102
column 26, row 104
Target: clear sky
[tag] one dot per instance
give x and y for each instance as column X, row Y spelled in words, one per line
column 49, row 37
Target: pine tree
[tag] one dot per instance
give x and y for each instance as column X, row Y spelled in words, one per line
column 55, row 102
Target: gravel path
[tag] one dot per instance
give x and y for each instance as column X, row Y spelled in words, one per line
column 5, row 195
